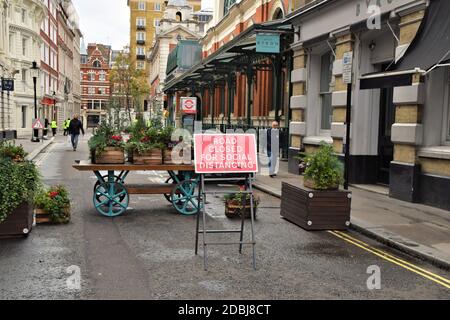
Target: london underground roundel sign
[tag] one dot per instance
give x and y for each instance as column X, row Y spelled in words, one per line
column 189, row 105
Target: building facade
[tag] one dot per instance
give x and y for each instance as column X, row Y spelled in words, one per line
column 145, row 18
column 5, row 67
column 25, row 19
column 95, row 84
column 49, row 61
column 177, row 24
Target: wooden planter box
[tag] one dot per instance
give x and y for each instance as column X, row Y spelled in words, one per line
column 42, row 216
column 316, row 209
column 233, row 209
column 111, row 155
column 19, row 222
column 152, row 157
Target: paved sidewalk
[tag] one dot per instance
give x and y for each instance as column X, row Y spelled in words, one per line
column 33, row 148
column 416, row 229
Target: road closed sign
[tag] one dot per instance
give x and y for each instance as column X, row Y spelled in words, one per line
column 189, row 105
column 225, row 153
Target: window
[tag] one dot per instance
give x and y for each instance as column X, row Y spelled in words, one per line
column 91, row 90
column 140, row 65
column 24, row 16
column 140, row 36
column 102, row 76
column 157, row 22
column 91, row 76
column 141, row 5
column 179, row 16
column 157, row 6
column 11, row 43
column 140, row 51
column 24, row 46
column 326, row 71
column 140, row 22
column 97, row 64
column 24, row 117
column 227, row 5
column 24, row 75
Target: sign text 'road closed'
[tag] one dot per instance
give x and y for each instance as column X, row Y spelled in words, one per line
column 225, row 153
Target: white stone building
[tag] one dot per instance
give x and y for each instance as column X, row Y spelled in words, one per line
column 24, row 18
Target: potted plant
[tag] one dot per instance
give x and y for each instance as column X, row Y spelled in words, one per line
column 145, row 147
column 11, row 151
column 235, row 207
column 107, row 146
column 168, row 145
column 52, row 205
column 319, row 205
column 18, row 182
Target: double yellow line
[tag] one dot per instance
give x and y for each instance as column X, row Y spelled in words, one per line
column 386, row 256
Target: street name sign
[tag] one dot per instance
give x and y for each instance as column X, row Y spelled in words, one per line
column 225, row 153
column 189, row 105
column 37, row 124
column 347, row 67
column 268, row 43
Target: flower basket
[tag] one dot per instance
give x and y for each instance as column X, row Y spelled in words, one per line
column 151, row 157
column 234, row 209
column 111, row 155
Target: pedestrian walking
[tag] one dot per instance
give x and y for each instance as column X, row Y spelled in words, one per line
column 273, row 135
column 66, row 126
column 54, row 126
column 45, row 133
column 75, row 127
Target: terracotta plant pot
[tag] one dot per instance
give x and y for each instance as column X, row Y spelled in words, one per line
column 19, row 222
column 151, row 157
column 111, row 155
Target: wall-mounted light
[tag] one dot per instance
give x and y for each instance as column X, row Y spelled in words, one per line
column 372, row 46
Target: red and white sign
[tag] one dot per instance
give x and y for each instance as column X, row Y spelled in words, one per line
column 189, row 105
column 225, row 153
column 37, row 124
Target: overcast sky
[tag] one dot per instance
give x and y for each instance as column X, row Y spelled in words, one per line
column 107, row 21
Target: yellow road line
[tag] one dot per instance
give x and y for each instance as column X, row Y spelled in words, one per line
column 403, row 265
column 394, row 257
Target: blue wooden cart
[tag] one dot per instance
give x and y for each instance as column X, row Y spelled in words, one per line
column 111, row 195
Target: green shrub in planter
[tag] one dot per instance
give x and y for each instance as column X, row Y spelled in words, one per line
column 18, row 183
column 323, row 171
column 11, row 151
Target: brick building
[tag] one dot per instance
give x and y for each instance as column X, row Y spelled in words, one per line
column 95, row 84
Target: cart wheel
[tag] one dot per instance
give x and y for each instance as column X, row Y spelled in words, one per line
column 98, row 183
column 111, row 199
column 168, row 195
column 184, row 197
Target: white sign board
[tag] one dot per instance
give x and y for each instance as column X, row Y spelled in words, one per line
column 189, row 105
column 347, row 64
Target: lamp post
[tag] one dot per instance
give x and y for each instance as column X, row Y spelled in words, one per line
column 54, row 105
column 35, row 74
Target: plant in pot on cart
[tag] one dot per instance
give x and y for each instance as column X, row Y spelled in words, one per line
column 234, row 205
column 18, row 183
column 107, row 146
column 52, row 205
column 145, row 147
column 319, row 205
column 165, row 137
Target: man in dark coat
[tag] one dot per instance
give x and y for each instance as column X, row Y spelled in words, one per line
column 75, row 127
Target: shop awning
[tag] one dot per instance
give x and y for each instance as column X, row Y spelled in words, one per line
column 429, row 50
column 235, row 55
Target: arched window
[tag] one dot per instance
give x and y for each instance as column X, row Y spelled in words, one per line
column 278, row 14
column 179, row 16
column 97, row 64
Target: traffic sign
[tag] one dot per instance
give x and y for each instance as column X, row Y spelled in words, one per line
column 347, row 67
column 189, row 105
column 7, row 85
column 37, row 124
column 225, row 153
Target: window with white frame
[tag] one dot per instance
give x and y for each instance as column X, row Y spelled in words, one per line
column 140, row 36
column 140, row 22
column 102, row 76
column 140, row 51
column 326, row 71
column 157, row 6
column 24, row 46
column 140, row 65
column 91, row 90
column 157, row 22
column 141, row 5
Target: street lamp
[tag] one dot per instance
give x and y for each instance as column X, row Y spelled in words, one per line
column 54, row 105
column 35, row 71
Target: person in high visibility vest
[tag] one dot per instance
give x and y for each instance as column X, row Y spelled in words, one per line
column 66, row 127
column 54, row 126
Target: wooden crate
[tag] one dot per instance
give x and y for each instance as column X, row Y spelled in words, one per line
column 19, row 222
column 316, row 209
column 167, row 156
column 41, row 216
column 111, row 155
column 152, row 157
